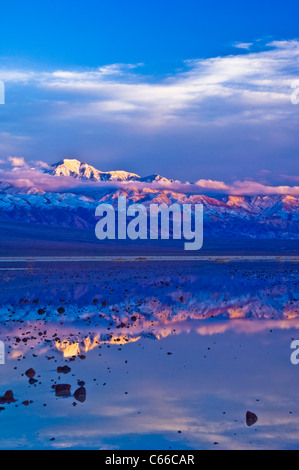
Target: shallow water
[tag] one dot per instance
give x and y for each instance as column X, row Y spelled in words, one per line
column 173, row 354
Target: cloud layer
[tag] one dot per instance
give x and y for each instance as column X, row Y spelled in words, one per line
column 30, row 175
column 215, row 111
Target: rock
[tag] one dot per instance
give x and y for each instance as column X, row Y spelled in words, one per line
column 32, row 381
column 8, row 398
column 41, row 311
column 64, row 370
column 25, row 403
column 80, row 394
column 62, row 390
column 251, row 418
column 61, row 310
column 30, row 373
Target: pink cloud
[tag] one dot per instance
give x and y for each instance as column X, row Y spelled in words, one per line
column 242, row 188
column 17, row 161
column 23, row 175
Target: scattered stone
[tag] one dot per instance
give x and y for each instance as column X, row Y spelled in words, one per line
column 80, row 394
column 62, row 390
column 30, row 373
column 8, row 398
column 251, row 418
column 64, row 370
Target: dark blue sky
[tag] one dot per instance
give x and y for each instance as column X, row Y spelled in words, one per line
column 160, row 106
column 157, row 33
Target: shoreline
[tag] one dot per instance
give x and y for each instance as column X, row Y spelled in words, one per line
column 215, row 259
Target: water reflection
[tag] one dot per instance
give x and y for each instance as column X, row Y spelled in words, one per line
column 171, row 355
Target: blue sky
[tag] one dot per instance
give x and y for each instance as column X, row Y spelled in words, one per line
column 187, row 89
column 160, row 34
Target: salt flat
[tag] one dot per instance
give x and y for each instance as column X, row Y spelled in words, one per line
column 172, row 355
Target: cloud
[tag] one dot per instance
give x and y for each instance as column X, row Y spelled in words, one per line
column 251, row 85
column 244, row 45
column 26, row 176
column 248, row 188
column 210, row 184
column 17, row 161
column 225, row 117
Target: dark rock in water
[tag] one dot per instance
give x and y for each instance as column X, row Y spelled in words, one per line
column 32, row 381
column 251, row 418
column 8, row 398
column 62, row 390
column 61, row 310
column 41, row 311
column 26, row 403
column 80, row 394
column 30, row 373
column 64, row 370
column 81, row 383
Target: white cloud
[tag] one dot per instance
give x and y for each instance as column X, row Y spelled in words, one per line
column 244, row 45
column 17, row 161
column 234, row 86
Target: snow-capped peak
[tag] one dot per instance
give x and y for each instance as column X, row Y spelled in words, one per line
column 77, row 169
column 157, row 179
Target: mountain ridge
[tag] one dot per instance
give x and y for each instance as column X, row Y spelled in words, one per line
column 247, row 216
column 83, row 171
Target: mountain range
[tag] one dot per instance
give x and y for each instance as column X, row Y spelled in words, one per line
column 85, row 172
column 225, row 215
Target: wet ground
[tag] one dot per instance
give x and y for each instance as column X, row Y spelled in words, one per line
column 149, row 355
